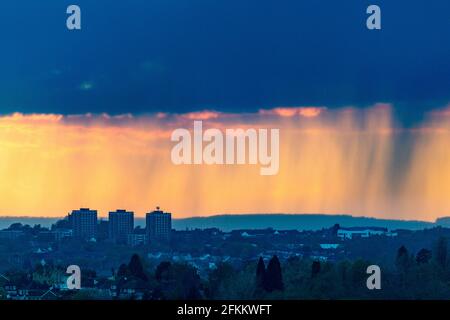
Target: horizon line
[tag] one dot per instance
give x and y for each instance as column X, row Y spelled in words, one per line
column 242, row 214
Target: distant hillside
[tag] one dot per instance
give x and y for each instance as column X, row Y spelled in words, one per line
column 5, row 222
column 261, row 221
column 444, row 222
column 293, row 221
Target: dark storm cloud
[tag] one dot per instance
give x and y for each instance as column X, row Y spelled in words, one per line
column 141, row 56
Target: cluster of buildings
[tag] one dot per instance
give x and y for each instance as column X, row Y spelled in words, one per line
column 120, row 226
column 364, row 232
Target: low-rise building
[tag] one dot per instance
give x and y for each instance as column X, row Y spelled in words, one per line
column 363, row 232
column 137, row 239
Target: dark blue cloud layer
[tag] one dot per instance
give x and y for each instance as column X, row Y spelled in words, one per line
column 180, row 55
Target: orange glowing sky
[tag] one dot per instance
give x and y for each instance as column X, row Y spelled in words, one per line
column 352, row 161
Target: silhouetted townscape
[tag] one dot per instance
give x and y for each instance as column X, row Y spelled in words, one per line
column 119, row 260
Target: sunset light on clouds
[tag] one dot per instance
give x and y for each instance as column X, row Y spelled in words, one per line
column 349, row 160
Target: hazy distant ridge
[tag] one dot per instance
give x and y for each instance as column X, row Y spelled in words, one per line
column 260, row 221
column 294, row 221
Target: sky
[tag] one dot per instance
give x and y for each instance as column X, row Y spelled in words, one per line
column 86, row 116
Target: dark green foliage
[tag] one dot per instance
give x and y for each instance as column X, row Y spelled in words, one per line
column 404, row 277
column 273, row 276
column 402, row 261
column 177, row 281
column 136, row 269
column 162, row 270
column 260, row 274
column 218, row 279
column 123, row 271
column 315, row 268
column 88, row 277
column 423, row 256
column 441, row 252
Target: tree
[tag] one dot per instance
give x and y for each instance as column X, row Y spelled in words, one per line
column 218, row 279
column 441, row 252
column 274, row 278
column 315, row 268
column 402, row 260
column 123, row 271
column 177, row 281
column 423, row 256
column 335, row 229
column 88, row 277
column 64, row 223
column 358, row 277
column 16, row 226
column 162, row 269
column 260, row 274
column 136, row 269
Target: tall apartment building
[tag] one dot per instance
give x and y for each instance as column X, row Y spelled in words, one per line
column 159, row 225
column 121, row 224
column 84, row 223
